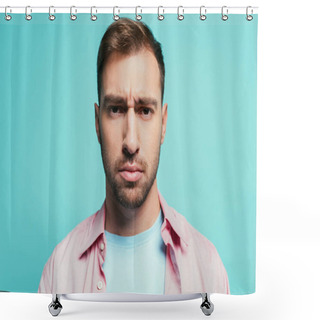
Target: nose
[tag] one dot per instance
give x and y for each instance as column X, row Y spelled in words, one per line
column 131, row 135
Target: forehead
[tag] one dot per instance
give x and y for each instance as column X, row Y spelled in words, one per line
column 134, row 74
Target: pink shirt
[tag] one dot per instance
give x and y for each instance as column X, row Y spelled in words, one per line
column 193, row 264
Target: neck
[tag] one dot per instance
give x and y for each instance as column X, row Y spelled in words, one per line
column 129, row 222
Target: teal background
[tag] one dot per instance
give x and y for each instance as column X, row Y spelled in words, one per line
column 51, row 173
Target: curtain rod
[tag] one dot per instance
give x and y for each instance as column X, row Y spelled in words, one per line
column 128, row 9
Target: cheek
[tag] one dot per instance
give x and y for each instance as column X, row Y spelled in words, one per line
column 111, row 136
column 150, row 137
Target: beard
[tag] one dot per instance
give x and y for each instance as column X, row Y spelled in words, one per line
column 130, row 194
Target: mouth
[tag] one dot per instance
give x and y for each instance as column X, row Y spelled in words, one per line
column 131, row 175
column 131, row 172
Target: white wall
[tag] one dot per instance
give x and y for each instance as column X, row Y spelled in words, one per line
column 288, row 174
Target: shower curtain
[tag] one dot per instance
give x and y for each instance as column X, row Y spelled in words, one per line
column 128, row 153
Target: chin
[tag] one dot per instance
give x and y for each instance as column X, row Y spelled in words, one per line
column 131, row 198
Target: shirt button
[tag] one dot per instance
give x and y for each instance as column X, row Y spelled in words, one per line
column 101, row 246
column 99, row 285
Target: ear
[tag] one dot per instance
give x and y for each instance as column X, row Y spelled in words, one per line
column 164, row 121
column 97, row 109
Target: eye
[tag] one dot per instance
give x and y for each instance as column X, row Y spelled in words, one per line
column 145, row 112
column 114, row 109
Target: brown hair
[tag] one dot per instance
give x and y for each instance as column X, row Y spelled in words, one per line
column 127, row 36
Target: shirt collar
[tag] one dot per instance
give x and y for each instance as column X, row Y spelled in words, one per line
column 170, row 216
column 96, row 227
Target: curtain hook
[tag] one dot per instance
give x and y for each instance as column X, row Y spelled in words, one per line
column 249, row 17
column 138, row 16
column 224, row 17
column 7, row 16
column 93, row 16
column 72, row 15
column 28, row 16
column 116, row 16
column 51, row 16
column 203, row 16
column 180, row 16
column 160, row 16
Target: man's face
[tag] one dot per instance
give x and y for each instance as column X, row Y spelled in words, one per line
column 131, row 125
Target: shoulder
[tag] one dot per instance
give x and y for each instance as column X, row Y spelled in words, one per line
column 62, row 256
column 72, row 243
column 193, row 236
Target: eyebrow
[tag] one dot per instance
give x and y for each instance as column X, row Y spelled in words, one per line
column 112, row 98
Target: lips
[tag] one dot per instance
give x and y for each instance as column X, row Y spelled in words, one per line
column 131, row 172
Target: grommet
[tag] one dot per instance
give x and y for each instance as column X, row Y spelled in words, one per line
column 180, row 16
column 224, row 16
column 203, row 15
column 116, row 16
column 73, row 17
column 248, row 16
column 28, row 16
column 93, row 16
column 160, row 16
column 51, row 16
column 6, row 15
column 138, row 16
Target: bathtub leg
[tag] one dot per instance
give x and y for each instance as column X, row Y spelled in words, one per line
column 206, row 305
column 55, row 306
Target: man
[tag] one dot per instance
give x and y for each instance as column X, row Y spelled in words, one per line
column 136, row 242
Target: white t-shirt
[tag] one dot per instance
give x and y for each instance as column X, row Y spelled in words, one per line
column 136, row 263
